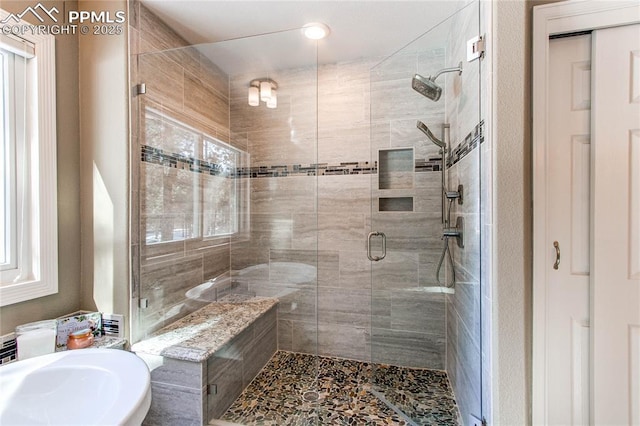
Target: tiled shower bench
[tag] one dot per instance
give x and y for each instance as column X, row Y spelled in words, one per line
column 201, row 363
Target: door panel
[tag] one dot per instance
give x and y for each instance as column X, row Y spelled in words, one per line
column 616, row 227
column 568, row 218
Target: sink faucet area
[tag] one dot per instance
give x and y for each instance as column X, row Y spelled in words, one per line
column 77, row 387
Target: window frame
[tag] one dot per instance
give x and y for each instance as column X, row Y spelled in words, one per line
column 198, row 182
column 42, row 216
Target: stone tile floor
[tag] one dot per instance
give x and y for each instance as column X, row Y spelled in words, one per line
column 277, row 395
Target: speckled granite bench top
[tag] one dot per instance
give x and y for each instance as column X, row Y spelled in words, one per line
column 109, row 342
column 199, row 335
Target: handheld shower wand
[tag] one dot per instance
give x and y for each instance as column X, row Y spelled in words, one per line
column 424, row 129
column 428, row 87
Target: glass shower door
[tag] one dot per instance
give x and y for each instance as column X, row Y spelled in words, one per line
column 226, row 200
column 424, row 244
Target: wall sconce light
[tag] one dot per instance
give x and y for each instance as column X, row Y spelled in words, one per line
column 264, row 90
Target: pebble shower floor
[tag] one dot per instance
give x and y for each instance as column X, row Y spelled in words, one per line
column 279, row 394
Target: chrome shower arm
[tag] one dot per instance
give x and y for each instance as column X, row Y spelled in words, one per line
column 446, row 70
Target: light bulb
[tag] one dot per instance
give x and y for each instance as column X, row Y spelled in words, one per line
column 254, row 96
column 273, row 100
column 265, row 90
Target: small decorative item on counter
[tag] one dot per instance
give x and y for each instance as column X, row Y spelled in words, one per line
column 79, row 320
column 36, row 338
column 80, row 339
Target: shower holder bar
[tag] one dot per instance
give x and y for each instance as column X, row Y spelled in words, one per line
column 455, row 195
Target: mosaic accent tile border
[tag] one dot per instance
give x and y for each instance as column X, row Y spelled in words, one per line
column 8, row 348
column 316, row 169
column 277, row 395
column 326, row 169
column 471, row 141
column 429, row 165
column 158, row 156
column 149, row 154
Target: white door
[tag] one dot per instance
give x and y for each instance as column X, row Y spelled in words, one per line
column 567, row 396
column 615, row 288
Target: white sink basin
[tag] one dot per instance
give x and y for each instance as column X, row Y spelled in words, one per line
column 80, row 387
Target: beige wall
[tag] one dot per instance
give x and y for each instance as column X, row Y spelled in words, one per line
column 104, row 176
column 512, row 217
column 512, row 231
column 68, row 297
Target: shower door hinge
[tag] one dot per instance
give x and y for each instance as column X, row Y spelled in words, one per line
column 475, row 48
column 475, row 421
column 143, row 303
column 141, row 89
column 212, row 389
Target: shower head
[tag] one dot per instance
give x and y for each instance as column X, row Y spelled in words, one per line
column 427, row 86
column 424, row 129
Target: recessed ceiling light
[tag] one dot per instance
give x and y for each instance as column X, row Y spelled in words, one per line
column 315, row 31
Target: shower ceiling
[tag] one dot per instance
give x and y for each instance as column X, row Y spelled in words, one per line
column 359, row 29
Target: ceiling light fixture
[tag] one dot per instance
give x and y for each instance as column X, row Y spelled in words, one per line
column 316, row 30
column 264, row 90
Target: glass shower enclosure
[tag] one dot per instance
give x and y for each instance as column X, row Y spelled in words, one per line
column 426, row 131
column 327, row 196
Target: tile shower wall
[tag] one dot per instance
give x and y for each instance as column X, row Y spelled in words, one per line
column 187, row 87
column 293, row 215
column 463, row 309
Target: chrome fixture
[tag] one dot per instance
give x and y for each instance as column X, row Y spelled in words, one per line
column 443, row 165
column 141, row 89
column 475, row 48
column 455, row 195
column 427, row 86
column 424, row 129
column 264, row 90
column 384, row 246
column 457, row 232
column 448, row 232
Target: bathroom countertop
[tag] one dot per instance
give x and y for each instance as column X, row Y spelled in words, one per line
column 109, row 342
column 199, row 335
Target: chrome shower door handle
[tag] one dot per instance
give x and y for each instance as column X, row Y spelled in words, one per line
column 384, row 246
column 556, row 245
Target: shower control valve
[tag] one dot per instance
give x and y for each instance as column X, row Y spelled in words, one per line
column 450, row 232
column 457, row 232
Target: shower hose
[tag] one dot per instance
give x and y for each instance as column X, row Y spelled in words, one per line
column 446, row 251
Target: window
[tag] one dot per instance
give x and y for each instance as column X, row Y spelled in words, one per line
column 28, row 209
column 189, row 182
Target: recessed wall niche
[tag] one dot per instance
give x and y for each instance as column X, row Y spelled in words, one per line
column 395, row 168
column 395, row 204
